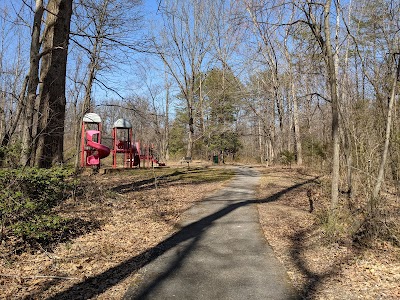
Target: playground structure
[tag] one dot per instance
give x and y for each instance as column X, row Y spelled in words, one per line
column 92, row 151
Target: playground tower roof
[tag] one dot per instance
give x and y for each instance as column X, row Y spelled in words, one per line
column 122, row 123
column 91, row 118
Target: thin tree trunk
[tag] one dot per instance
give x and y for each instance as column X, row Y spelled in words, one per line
column 295, row 112
column 189, row 150
column 299, row 151
column 381, row 172
column 335, row 107
column 27, row 136
column 166, row 144
column 260, row 144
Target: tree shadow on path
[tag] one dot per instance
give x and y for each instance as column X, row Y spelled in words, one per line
column 98, row 284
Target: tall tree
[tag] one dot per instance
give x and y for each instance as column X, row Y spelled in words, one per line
column 27, row 136
column 294, row 100
column 322, row 32
column 222, row 90
column 52, row 101
column 184, row 47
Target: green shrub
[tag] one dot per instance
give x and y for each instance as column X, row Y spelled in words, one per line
column 40, row 228
column 10, row 155
column 315, row 148
column 287, row 157
column 26, row 198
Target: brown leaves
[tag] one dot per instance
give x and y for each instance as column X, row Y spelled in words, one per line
column 318, row 269
column 131, row 221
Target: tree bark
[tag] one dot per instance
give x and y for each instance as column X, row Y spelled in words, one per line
column 299, row 151
column 385, row 151
column 52, row 99
column 324, row 40
column 189, row 150
column 332, row 79
column 27, row 133
column 166, row 130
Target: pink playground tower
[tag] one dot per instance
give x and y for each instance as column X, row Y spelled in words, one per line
column 91, row 148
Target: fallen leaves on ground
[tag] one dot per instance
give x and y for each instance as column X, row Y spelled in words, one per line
column 132, row 220
column 318, row 269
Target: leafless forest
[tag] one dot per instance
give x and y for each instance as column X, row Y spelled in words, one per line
column 307, row 83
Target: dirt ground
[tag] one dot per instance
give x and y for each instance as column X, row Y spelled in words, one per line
column 127, row 216
column 318, row 269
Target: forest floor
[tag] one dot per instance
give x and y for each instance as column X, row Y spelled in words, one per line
column 318, row 268
column 125, row 214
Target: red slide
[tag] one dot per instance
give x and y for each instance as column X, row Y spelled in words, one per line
column 101, row 150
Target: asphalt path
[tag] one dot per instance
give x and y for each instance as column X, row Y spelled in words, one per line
column 219, row 253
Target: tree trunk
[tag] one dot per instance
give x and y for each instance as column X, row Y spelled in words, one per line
column 189, row 150
column 381, row 172
column 260, row 142
column 27, row 136
column 295, row 112
column 324, row 41
column 201, row 117
column 50, row 144
column 299, row 151
column 8, row 133
column 332, row 79
column 166, row 129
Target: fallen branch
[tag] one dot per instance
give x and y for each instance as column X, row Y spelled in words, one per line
column 39, row 276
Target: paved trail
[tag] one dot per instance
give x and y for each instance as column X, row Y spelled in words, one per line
column 220, row 253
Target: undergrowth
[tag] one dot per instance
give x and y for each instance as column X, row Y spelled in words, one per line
column 356, row 222
column 30, row 200
column 27, row 196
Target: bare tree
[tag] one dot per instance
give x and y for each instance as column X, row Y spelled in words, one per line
column 52, row 101
column 183, row 50
column 265, row 29
column 27, row 136
column 322, row 32
column 102, row 29
column 292, row 87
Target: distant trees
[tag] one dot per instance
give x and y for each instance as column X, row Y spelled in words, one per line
column 222, row 94
column 254, row 78
column 183, row 48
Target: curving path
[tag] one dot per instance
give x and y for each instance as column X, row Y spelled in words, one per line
column 219, row 253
